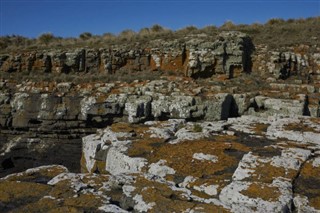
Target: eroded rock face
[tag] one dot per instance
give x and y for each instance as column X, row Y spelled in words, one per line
column 297, row 60
column 67, row 105
column 37, row 119
column 228, row 54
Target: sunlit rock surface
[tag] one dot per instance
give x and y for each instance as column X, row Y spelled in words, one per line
column 244, row 164
column 205, row 123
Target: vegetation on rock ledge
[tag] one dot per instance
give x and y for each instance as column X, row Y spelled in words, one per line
column 274, row 33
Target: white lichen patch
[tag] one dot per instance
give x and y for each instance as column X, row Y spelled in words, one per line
column 208, row 189
column 75, row 180
column 160, row 133
column 277, row 130
column 316, row 162
column 48, row 197
column 166, row 129
column 212, row 127
column 185, row 133
column 156, row 59
column 85, row 105
column 291, row 158
column 7, row 147
column 301, row 204
column 246, row 166
column 118, row 163
column 231, row 193
column 128, row 189
column 62, row 177
column 186, row 182
column 205, row 157
column 142, row 206
column 160, row 169
column 31, row 171
column 232, row 196
column 18, row 101
column 48, row 168
column 112, row 208
column 90, row 145
column 246, row 123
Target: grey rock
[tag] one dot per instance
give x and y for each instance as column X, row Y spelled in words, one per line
column 138, row 108
column 219, row 107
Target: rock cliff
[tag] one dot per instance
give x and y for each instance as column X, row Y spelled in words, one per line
column 228, row 54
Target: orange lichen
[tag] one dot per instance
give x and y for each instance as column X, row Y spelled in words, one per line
column 308, row 170
column 14, row 191
column 180, row 157
column 83, row 201
column 292, row 144
column 222, row 77
column 42, row 205
column 83, row 164
column 300, row 127
column 45, row 172
column 315, row 120
column 62, row 190
column 260, row 128
column 99, row 167
column 260, row 190
column 122, row 127
column 315, row 202
column 236, row 71
column 101, row 98
column 173, row 64
column 95, row 180
column 64, row 209
column 167, row 200
column 307, row 182
column 144, row 146
column 265, row 172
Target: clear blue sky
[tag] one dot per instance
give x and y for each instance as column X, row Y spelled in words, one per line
column 68, row 18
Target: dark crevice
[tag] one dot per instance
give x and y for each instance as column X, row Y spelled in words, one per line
column 250, row 141
column 306, row 111
column 115, row 202
column 296, row 183
column 7, row 164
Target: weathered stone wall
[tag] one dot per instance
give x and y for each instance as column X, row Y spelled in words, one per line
column 228, row 54
column 68, row 106
column 302, row 60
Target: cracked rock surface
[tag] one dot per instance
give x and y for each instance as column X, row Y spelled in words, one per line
column 204, row 123
column 238, row 165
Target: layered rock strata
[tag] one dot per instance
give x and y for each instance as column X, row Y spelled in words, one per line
column 44, row 122
column 228, row 53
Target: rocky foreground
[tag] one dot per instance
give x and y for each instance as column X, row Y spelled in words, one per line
column 160, row 146
column 245, row 164
column 230, row 127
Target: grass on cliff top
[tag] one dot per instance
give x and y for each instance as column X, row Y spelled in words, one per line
column 275, row 33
